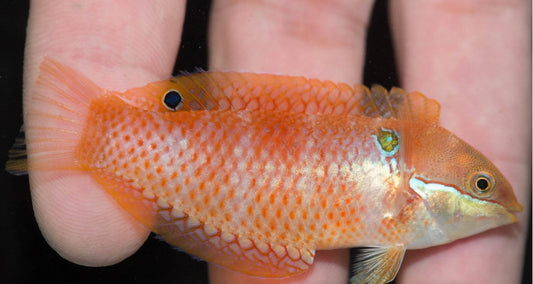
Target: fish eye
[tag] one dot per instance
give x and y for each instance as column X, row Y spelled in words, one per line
column 172, row 100
column 482, row 183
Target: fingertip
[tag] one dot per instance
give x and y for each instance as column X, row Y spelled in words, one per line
column 119, row 45
column 315, row 40
column 81, row 222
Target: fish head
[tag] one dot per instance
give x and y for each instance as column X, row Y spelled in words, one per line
column 463, row 192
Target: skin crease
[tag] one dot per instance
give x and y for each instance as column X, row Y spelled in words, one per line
column 459, row 54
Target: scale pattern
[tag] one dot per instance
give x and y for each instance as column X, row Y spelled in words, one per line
column 260, row 190
column 256, row 172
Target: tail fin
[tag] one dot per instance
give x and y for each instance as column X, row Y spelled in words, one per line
column 55, row 118
column 17, row 159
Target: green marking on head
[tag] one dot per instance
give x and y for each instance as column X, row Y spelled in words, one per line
column 388, row 140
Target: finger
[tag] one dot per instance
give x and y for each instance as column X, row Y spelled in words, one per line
column 321, row 39
column 313, row 38
column 474, row 58
column 118, row 45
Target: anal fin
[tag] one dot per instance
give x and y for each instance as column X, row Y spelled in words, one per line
column 202, row 239
column 241, row 254
column 377, row 265
column 131, row 198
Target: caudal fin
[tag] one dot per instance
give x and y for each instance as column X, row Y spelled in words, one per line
column 56, row 115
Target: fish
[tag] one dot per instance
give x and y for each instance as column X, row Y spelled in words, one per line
column 255, row 172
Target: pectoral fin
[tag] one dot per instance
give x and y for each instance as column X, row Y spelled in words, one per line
column 376, row 265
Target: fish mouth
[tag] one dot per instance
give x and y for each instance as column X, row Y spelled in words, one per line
column 517, row 207
column 510, row 209
column 513, row 206
column 513, row 218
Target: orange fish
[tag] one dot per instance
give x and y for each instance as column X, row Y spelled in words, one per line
column 256, row 172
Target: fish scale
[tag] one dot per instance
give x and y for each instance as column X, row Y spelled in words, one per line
column 261, row 196
column 255, row 172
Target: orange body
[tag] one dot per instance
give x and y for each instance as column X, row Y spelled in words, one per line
column 256, row 172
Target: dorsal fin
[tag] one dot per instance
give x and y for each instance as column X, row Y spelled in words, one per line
column 419, row 108
column 400, row 105
column 250, row 91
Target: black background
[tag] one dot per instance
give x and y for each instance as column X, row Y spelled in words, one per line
column 24, row 255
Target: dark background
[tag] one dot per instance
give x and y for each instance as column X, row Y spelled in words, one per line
column 24, row 255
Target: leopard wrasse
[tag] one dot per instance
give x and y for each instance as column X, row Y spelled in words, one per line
column 256, row 172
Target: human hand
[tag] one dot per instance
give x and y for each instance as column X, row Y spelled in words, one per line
column 136, row 42
column 474, row 58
